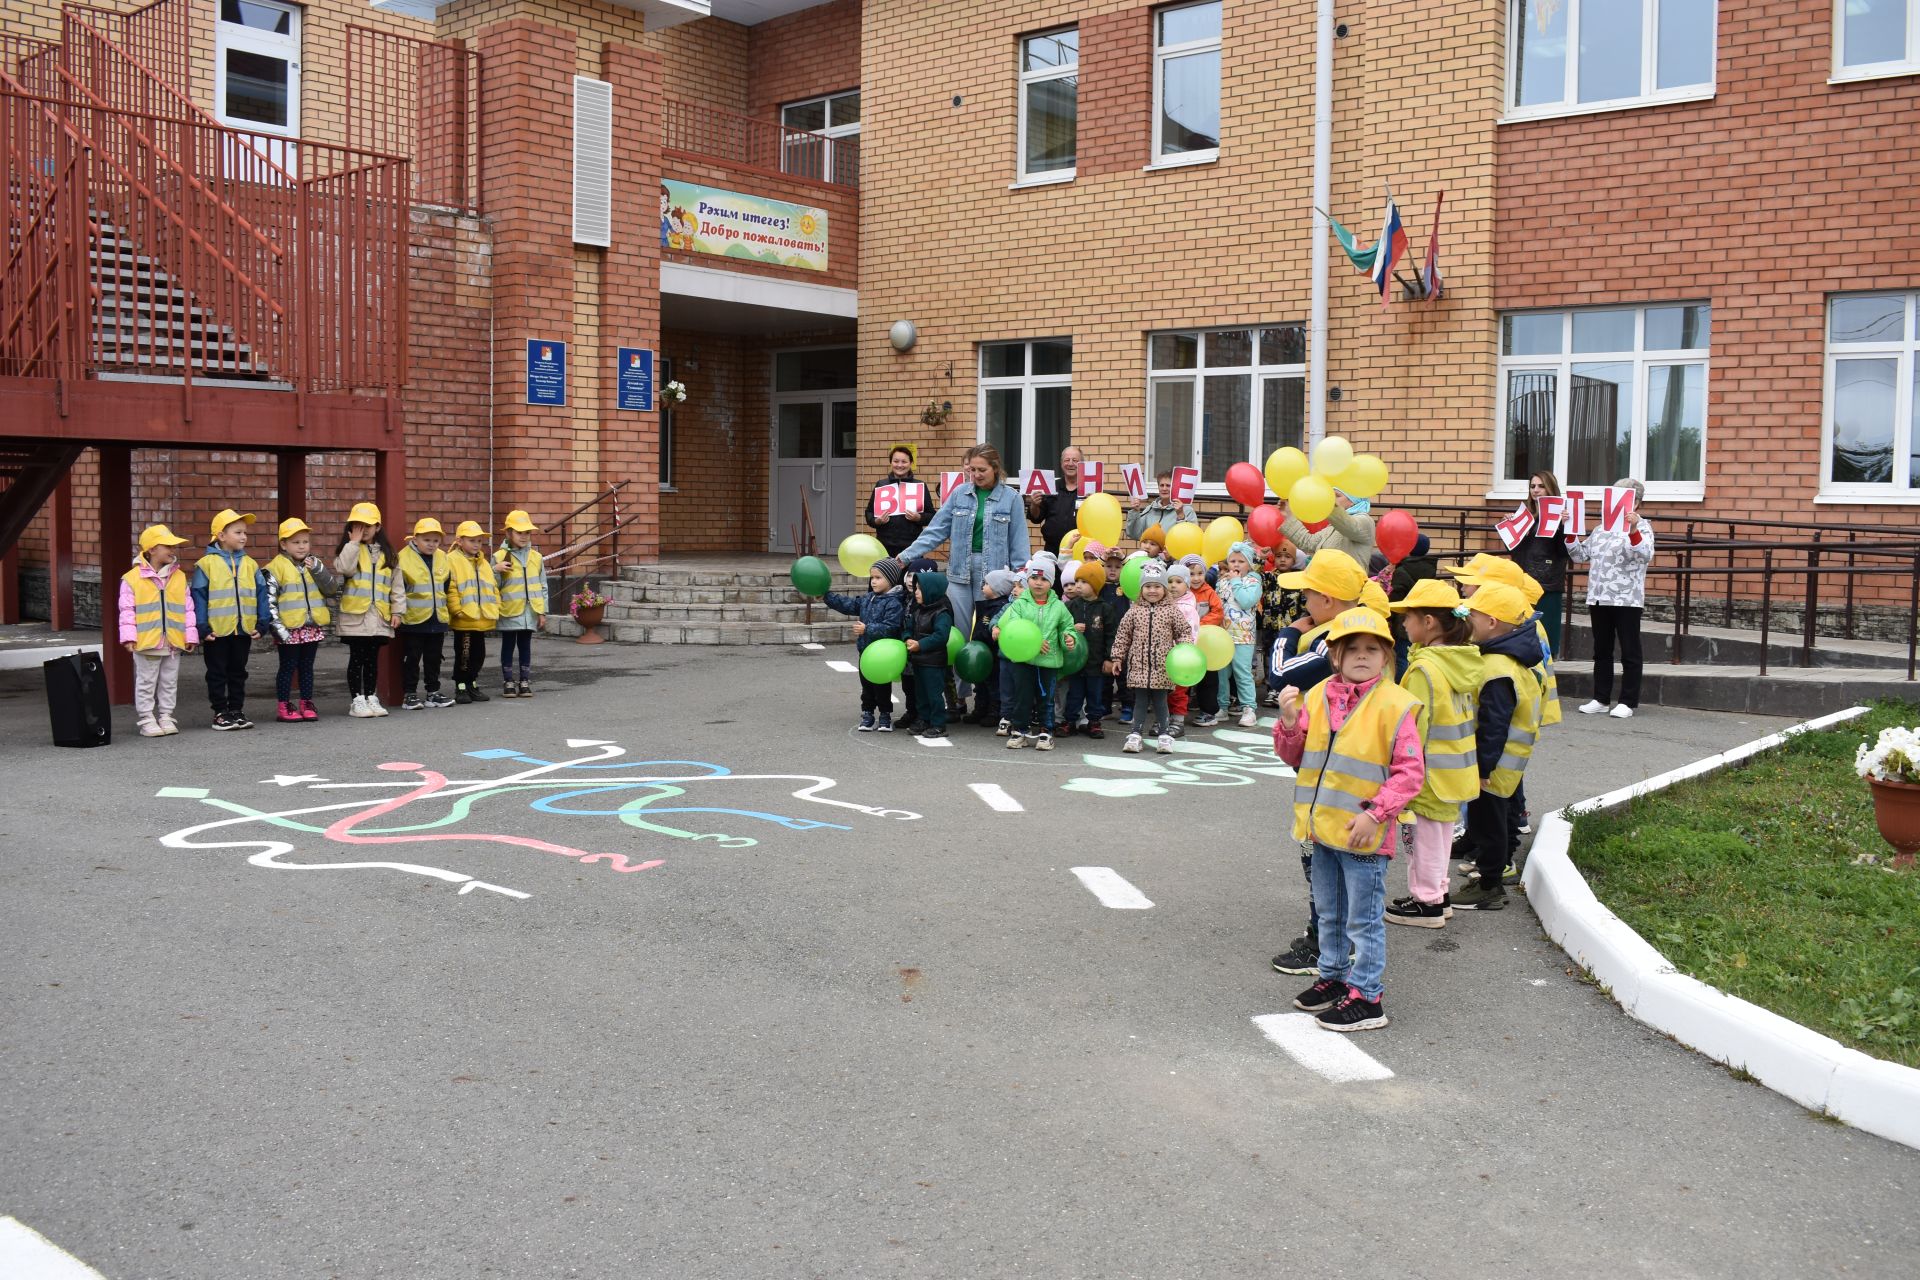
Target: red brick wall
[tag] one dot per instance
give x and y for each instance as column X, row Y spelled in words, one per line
column 803, row 55
column 1116, row 91
column 721, row 447
column 841, row 204
column 450, row 280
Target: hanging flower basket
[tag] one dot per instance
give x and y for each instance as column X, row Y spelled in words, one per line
column 1891, row 766
column 674, row 392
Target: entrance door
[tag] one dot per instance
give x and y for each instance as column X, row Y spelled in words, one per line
column 815, row 443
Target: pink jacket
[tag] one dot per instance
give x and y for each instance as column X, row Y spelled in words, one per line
column 128, row 632
column 1404, row 775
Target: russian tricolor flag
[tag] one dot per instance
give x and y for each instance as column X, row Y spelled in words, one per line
column 1389, row 249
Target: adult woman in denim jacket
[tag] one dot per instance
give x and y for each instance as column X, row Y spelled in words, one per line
column 987, row 527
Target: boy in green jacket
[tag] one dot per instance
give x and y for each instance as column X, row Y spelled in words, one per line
column 1038, row 605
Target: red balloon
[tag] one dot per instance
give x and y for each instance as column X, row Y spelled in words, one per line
column 1395, row 534
column 1263, row 525
column 1315, row 526
column 1245, row 484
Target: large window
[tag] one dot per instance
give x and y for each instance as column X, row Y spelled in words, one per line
column 1049, row 105
column 1870, row 441
column 1875, row 38
column 1026, row 401
column 827, row 120
column 1186, row 83
column 1220, row 396
column 1587, row 55
column 256, row 83
column 1594, row 396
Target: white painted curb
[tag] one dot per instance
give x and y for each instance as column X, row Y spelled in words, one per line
column 1817, row 1072
column 24, row 659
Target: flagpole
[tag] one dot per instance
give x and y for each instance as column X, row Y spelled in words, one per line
column 1322, row 198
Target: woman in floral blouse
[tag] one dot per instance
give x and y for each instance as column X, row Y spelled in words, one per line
column 1616, row 596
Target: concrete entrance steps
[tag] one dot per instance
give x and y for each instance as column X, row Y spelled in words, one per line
column 1735, row 647
column 730, row 601
column 1802, row 692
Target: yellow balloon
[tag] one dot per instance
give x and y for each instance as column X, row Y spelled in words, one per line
column 1221, row 535
column 1311, row 499
column 1365, row 478
column 1100, row 519
column 1183, row 539
column 1069, row 542
column 859, row 552
column 1216, row 646
column 1332, row 456
column 1285, row 467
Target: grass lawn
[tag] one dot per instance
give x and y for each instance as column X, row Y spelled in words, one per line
column 1748, row 881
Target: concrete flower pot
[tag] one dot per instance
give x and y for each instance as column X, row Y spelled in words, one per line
column 1896, row 808
column 589, row 618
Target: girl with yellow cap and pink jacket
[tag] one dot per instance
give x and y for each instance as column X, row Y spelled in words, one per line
column 156, row 627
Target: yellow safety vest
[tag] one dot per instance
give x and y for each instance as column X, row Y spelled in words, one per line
column 1453, row 761
column 370, row 585
column 159, row 613
column 233, row 602
column 426, row 585
column 1550, row 698
column 520, row 591
column 1525, row 729
column 476, row 594
column 1340, row 770
column 311, row 605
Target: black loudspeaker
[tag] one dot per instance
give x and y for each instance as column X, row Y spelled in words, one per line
column 77, row 701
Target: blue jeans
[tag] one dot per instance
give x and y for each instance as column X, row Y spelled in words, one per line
column 1350, row 891
column 961, row 593
column 1087, row 696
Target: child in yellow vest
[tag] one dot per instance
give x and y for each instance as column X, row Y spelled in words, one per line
column 475, row 604
column 364, row 562
column 1506, row 727
column 523, row 603
column 293, row 605
column 226, row 599
column 422, row 599
column 1355, row 742
column 1443, row 672
column 156, row 627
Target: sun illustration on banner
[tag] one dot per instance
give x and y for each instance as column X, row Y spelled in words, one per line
column 429, row 808
column 1232, row 759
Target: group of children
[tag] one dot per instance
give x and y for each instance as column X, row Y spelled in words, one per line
column 419, row 595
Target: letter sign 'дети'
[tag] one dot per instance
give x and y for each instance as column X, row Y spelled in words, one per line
column 1551, row 508
column 1093, row 478
column 1184, row 481
column 949, row 481
column 1135, row 476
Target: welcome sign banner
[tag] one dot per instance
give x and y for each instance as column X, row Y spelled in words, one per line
column 731, row 224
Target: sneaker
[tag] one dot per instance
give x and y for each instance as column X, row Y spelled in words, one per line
column 1509, row 874
column 148, row 729
column 933, row 731
column 866, row 722
column 435, row 699
column 1526, row 822
column 359, row 709
column 883, row 723
column 1005, row 727
column 286, row 713
column 526, row 688
column 1179, row 729
column 1421, row 915
column 1067, row 730
column 1132, row 745
column 1622, row 712
column 1301, row 957
column 1126, row 715
column 1015, row 741
column 1592, row 707
column 412, row 702
column 1446, row 903
column 1323, row 994
column 1163, row 744
column 241, row 722
column 1271, row 698
column 508, row 689
column 460, row 696
column 169, row 728
column 1480, row 897
column 473, row 691
column 1354, row 1013
column 1206, row 720
column 1044, row 742
column 307, row 710
column 223, row 722
column 1095, row 731
column 374, row 707
column 907, row 724
column 1249, row 718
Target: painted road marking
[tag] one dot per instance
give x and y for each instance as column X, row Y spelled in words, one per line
column 996, row 797
column 933, row 742
column 815, row 647
column 1327, row 1052
column 847, row 667
column 25, row 1254
column 1107, row 885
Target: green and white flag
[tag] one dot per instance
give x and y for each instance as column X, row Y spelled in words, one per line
column 1362, row 259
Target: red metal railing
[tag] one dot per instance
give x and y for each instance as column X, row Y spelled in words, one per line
column 45, row 293
column 419, row 99
column 718, row 134
column 146, row 62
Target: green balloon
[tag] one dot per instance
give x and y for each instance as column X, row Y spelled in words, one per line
column 955, row 643
column 883, row 661
column 1186, row 665
column 1130, row 578
column 1020, row 640
column 1073, row 661
column 974, row 662
column 811, row 577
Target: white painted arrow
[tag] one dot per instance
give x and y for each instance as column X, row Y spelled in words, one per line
column 291, row 779
column 589, row 742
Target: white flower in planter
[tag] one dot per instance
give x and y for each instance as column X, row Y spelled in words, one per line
column 1894, row 757
column 674, row 392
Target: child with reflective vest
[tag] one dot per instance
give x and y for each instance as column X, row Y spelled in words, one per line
column 364, row 562
column 475, row 604
column 293, row 606
column 420, row 603
column 1355, row 741
column 1507, row 726
column 1443, row 673
column 156, row 627
column 226, row 599
column 523, row 603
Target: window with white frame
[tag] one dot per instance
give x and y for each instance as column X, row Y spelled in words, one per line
column 1596, row 396
column 1026, row 400
column 1585, row 55
column 1870, row 442
column 1049, row 105
column 1220, row 396
column 1875, row 38
column 824, row 119
column 1186, row 83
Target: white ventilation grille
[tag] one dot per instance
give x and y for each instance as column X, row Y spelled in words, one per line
column 592, row 161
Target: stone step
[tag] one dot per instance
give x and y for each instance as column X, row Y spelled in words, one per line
column 1717, row 646
column 672, row 575
column 1797, row 692
column 669, row 593
column 711, row 614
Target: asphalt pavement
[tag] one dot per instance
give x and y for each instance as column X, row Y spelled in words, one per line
column 669, row 973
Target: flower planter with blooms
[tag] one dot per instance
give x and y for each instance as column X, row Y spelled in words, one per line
column 1891, row 766
column 674, row 392
column 587, row 608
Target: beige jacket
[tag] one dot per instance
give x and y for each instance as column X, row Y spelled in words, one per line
column 351, row 625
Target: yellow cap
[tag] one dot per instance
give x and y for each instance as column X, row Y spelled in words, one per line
column 1429, row 593
column 521, row 521
column 1470, row 567
column 1499, row 601
column 1154, row 533
column 427, row 524
column 469, row 529
column 1374, row 596
column 1359, row 622
column 1331, row 573
column 364, row 513
column 227, row 517
column 292, row 525
column 158, row 535
column 1483, row 571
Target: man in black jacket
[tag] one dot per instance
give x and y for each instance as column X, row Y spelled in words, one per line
column 1059, row 513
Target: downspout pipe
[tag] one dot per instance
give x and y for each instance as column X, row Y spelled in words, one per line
column 1322, row 196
